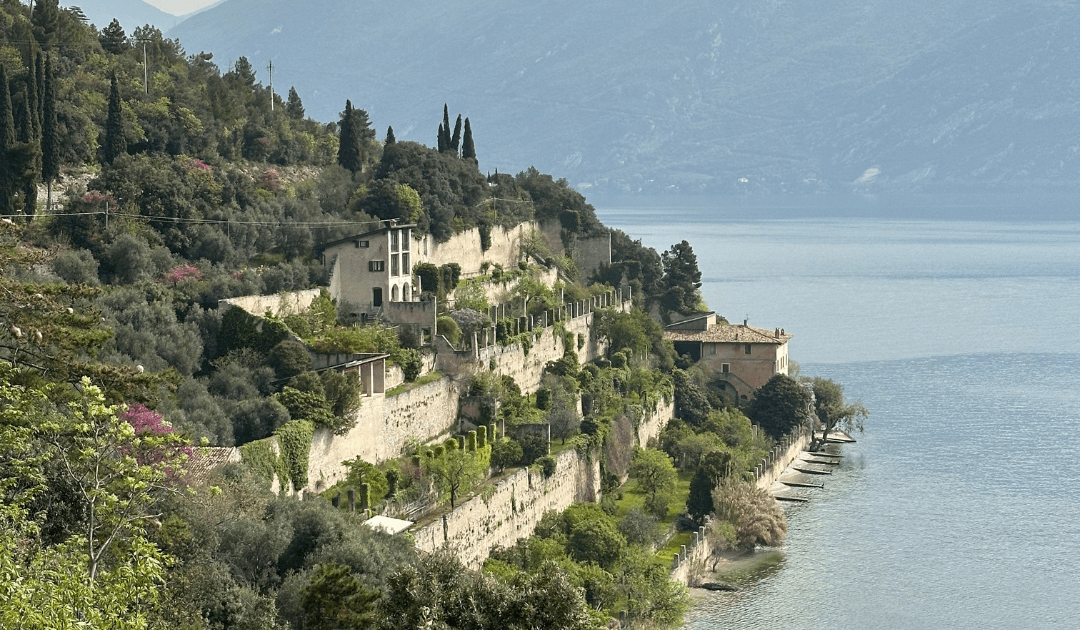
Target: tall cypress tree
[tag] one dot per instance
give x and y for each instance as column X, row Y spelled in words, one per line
column 455, row 141
column 444, row 135
column 7, row 145
column 50, row 141
column 31, row 150
column 39, row 70
column 390, row 139
column 365, row 135
column 468, row 149
column 115, row 143
column 32, row 96
column 348, row 145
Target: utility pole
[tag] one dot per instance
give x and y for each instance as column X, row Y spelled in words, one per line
column 271, row 69
column 146, row 89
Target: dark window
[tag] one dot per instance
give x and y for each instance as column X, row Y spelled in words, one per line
column 376, row 265
column 746, row 349
column 725, row 367
column 376, row 296
column 363, row 243
column 394, row 270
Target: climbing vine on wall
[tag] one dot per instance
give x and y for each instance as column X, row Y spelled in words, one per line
column 260, row 457
column 294, row 442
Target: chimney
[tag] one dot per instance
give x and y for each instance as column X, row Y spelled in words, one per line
column 746, row 322
column 781, row 331
column 776, row 333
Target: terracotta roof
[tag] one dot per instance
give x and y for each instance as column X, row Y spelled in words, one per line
column 729, row 333
column 205, row 460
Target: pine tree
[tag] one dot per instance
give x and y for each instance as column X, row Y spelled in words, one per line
column 468, row 149
column 7, row 145
column 348, row 145
column 294, row 107
column 115, row 143
column 390, row 139
column 113, row 38
column 46, row 22
column 455, row 141
column 50, row 141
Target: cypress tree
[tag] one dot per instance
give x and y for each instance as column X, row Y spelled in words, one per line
column 390, row 139
column 294, row 107
column 32, row 173
column 348, row 145
column 444, row 136
column 455, row 141
column 115, row 143
column 33, row 93
column 50, row 142
column 468, row 149
column 361, row 126
column 39, row 70
column 7, row 144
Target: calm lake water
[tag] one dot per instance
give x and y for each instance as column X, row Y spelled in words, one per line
column 960, row 506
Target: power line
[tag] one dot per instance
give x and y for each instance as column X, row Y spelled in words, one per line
column 205, row 221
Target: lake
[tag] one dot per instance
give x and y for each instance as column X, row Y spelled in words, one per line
column 960, row 505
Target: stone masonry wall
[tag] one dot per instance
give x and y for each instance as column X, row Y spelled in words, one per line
column 512, row 511
column 384, row 425
column 257, row 305
column 652, row 425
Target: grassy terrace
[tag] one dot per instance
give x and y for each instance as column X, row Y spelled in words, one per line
column 423, row 380
column 633, row 497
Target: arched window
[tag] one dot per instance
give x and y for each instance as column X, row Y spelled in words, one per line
column 406, row 293
column 393, row 293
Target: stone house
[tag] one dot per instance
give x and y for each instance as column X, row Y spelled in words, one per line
column 745, row 357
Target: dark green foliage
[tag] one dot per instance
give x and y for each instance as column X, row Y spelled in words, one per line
column 8, row 174
column 553, row 197
column 310, row 406
column 505, row 452
column 288, row 359
column 455, row 140
column 113, row 38
column 468, row 149
column 257, row 418
column 596, row 539
column 779, row 406
column 336, row 600
column 448, row 328
column 342, row 393
column 76, row 267
column 533, row 447
column 115, row 143
column 390, row 139
column 444, row 130
column 294, row 107
column 547, row 465
column 348, row 141
column 412, row 363
column 691, row 403
column 681, row 280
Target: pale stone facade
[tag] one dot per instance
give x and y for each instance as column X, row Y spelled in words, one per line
column 373, row 269
column 745, row 356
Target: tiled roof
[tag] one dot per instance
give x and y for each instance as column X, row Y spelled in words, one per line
column 205, row 460
column 729, row 333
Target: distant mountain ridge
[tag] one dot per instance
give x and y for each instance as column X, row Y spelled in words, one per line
column 131, row 14
column 694, row 97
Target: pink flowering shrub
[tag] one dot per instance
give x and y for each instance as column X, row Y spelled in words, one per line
column 150, row 424
column 182, row 273
column 270, row 180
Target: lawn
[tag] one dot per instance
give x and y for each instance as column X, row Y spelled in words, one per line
column 423, row 380
column 633, row 497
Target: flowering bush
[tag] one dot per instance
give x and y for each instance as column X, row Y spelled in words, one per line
column 183, row 272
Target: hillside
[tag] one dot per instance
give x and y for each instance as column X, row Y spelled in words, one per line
column 697, row 97
column 131, row 13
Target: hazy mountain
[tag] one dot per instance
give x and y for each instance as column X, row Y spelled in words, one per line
column 695, row 96
column 131, row 13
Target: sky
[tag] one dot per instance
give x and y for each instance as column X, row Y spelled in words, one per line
column 180, row 7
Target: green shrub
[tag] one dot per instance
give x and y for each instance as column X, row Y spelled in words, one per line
column 448, row 328
column 547, row 465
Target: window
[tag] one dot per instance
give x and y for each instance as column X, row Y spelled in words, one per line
column 363, row 243
column 406, row 270
column 393, row 240
column 394, row 269
column 393, row 293
column 405, row 235
column 746, row 349
column 376, row 265
column 712, row 348
column 725, row 367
